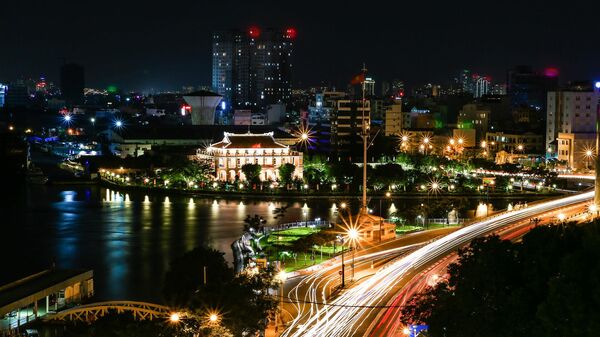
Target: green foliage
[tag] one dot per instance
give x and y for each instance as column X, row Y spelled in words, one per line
column 186, row 274
column 286, row 172
column 252, row 172
column 181, row 174
column 242, row 300
column 547, row 285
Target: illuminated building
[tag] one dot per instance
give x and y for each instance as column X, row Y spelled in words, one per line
column 346, row 123
column 236, row 150
column 482, row 85
column 526, row 87
column 571, row 122
column 253, row 68
column 72, row 83
column 3, row 89
column 393, row 119
column 474, row 116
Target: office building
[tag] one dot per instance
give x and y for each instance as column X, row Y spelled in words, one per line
column 3, row 89
column 253, row 68
column 393, row 119
column 474, row 116
column 347, row 122
column 482, row 85
column 571, row 123
column 17, row 95
column 72, row 83
column 526, row 87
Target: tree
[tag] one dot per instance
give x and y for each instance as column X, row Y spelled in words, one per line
column 254, row 223
column 286, row 172
column 252, row 172
column 186, row 274
column 243, row 300
column 546, row 285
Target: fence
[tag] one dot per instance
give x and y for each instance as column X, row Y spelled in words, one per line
column 299, row 224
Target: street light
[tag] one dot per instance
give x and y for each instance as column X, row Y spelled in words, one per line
column 343, row 272
column 175, row 317
column 353, row 235
column 281, row 277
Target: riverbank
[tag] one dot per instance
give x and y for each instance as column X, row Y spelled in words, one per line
column 315, row 195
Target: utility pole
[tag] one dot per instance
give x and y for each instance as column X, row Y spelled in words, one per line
column 365, row 138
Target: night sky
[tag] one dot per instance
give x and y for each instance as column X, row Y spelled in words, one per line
column 167, row 44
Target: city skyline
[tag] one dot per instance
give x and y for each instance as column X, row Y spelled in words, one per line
column 135, row 46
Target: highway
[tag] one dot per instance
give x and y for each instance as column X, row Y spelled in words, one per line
column 351, row 312
column 388, row 322
column 304, row 292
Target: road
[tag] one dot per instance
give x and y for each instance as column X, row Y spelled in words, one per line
column 303, row 293
column 350, row 313
column 388, row 322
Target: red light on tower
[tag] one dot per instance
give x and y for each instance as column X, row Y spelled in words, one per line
column 291, row 33
column 551, row 72
column 254, row 32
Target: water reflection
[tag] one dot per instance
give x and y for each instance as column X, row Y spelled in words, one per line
column 130, row 244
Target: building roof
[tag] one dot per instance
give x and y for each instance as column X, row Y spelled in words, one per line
column 35, row 287
column 209, row 133
column 203, row 93
column 249, row 141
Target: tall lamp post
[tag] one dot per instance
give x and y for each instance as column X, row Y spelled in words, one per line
column 341, row 240
column 353, row 236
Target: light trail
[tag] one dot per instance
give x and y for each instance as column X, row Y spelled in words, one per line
column 349, row 321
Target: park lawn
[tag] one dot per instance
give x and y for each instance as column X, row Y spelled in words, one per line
column 407, row 229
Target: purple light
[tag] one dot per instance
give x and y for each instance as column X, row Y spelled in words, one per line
column 551, row 72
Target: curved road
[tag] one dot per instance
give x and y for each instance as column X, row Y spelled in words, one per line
column 350, row 313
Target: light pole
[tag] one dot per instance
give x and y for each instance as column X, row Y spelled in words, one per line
column 281, row 277
column 353, row 236
column 341, row 240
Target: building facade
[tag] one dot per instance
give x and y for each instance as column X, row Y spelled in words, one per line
column 237, row 150
column 474, row 116
column 514, row 143
column 393, row 119
column 253, row 68
column 347, row 122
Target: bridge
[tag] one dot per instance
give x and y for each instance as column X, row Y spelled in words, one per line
column 91, row 312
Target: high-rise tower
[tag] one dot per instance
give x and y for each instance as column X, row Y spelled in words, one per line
column 253, row 68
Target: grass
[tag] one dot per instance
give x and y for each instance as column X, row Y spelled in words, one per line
column 411, row 228
column 285, row 238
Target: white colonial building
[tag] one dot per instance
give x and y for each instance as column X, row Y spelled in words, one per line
column 236, row 150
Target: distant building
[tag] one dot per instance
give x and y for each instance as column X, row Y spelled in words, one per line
column 571, row 123
column 393, row 119
column 347, row 122
column 474, row 116
column 482, row 85
column 3, row 89
column 242, row 117
column 510, row 142
column 204, row 104
column 17, row 95
column 369, row 84
column 72, row 83
column 237, row 150
column 136, row 141
column 526, row 87
column 253, row 68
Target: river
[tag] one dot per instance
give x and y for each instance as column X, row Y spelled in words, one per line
column 129, row 239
